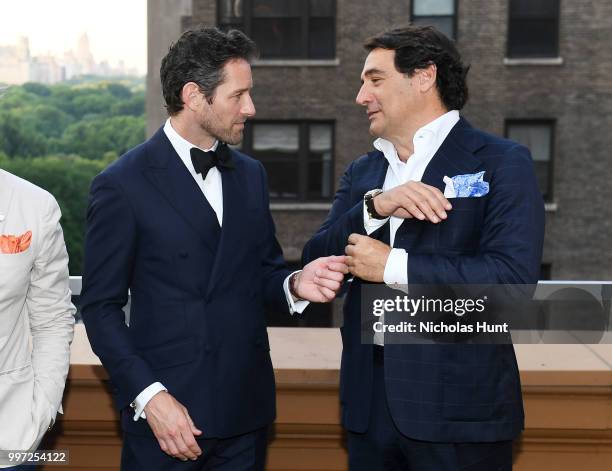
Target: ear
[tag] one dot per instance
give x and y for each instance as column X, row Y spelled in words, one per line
column 427, row 78
column 192, row 96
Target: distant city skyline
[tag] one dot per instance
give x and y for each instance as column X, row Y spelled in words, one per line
column 18, row 65
column 117, row 29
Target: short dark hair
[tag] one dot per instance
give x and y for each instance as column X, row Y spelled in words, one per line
column 417, row 47
column 199, row 56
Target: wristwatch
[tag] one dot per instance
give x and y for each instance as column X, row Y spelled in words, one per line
column 368, row 200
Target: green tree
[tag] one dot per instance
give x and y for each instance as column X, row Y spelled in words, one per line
column 93, row 138
column 18, row 138
column 68, row 179
column 37, row 88
column 119, row 91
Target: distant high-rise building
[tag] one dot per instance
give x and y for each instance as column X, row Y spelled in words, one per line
column 17, row 65
column 84, row 55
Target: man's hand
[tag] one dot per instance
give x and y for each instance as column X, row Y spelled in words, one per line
column 413, row 199
column 173, row 427
column 321, row 279
column 367, row 257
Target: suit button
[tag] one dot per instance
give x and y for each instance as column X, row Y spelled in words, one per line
column 183, row 254
column 258, row 342
column 207, row 348
column 207, row 299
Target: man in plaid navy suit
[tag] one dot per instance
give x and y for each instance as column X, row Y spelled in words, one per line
column 404, row 216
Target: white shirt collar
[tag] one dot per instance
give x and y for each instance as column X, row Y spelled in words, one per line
column 425, row 139
column 182, row 146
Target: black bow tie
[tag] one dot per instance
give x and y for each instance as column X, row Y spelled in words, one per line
column 203, row 161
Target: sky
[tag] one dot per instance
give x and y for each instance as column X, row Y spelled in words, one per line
column 117, row 29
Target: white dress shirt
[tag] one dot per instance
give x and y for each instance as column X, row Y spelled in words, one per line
column 427, row 140
column 212, row 188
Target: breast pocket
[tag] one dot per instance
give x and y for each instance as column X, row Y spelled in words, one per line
column 15, row 270
column 462, row 228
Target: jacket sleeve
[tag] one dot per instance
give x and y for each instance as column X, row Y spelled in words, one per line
column 50, row 310
column 344, row 218
column 110, row 246
column 274, row 269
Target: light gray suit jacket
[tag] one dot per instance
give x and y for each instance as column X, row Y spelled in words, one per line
column 36, row 315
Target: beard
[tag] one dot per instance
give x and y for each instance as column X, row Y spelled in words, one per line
column 211, row 124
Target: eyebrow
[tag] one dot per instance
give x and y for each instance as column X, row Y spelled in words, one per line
column 374, row 71
column 241, row 90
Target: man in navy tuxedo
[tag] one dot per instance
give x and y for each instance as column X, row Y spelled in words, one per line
column 404, row 218
column 183, row 222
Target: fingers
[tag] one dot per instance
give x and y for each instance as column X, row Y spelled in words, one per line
column 355, row 238
column 402, row 213
column 173, row 427
column 338, row 267
column 350, row 263
column 194, row 429
column 337, row 263
column 340, row 259
column 334, row 275
column 424, row 202
column 191, row 450
column 330, row 284
column 327, row 293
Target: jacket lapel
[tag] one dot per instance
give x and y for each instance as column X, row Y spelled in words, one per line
column 454, row 157
column 233, row 184
column 6, row 195
column 168, row 174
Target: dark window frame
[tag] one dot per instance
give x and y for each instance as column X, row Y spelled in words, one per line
column 247, row 16
column 511, row 55
column 454, row 16
column 303, row 154
column 549, row 195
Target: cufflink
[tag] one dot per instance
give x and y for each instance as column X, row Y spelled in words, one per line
column 133, row 405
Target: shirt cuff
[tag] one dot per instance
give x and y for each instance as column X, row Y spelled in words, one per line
column 371, row 224
column 294, row 305
column 396, row 269
column 143, row 399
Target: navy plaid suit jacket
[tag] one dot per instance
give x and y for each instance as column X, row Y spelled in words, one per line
column 445, row 393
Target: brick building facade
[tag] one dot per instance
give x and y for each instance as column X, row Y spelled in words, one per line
column 540, row 72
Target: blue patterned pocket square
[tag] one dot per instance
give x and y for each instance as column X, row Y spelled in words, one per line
column 466, row 186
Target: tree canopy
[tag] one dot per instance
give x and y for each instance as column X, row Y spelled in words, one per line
column 60, row 136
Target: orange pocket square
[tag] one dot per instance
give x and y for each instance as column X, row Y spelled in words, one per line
column 15, row 244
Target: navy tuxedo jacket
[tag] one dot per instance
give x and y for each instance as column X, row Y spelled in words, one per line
column 197, row 294
column 446, row 393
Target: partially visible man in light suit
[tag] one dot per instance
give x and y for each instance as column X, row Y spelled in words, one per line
column 34, row 304
column 183, row 221
column 437, row 203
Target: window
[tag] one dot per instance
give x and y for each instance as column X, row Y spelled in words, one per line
column 538, row 137
column 438, row 13
column 284, row 29
column 297, row 157
column 533, row 28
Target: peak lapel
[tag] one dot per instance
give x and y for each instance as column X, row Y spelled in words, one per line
column 169, row 176
column 6, row 195
column 232, row 181
column 455, row 156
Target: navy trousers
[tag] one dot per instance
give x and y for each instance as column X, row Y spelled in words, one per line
column 242, row 453
column 384, row 447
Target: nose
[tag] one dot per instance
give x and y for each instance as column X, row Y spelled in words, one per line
column 248, row 109
column 363, row 97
